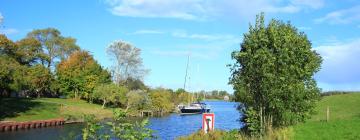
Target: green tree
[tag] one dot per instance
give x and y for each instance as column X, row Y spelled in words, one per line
column 79, row 74
column 29, row 51
column 38, row 79
column 135, row 84
column 55, row 46
column 120, row 128
column 7, row 47
column 180, row 90
column 273, row 75
column 110, row 93
column 161, row 100
column 11, row 71
column 137, row 100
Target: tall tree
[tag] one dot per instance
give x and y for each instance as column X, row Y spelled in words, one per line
column 80, row 74
column 11, row 72
column 55, row 46
column 273, row 75
column 127, row 61
column 29, row 51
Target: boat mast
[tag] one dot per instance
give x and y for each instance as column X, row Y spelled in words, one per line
column 186, row 72
column 186, row 76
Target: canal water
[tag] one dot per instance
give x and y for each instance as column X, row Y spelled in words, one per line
column 167, row 127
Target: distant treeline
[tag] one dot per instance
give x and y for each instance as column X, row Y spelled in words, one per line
column 328, row 93
column 214, row 95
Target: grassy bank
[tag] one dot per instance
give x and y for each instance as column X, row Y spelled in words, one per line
column 344, row 123
column 13, row 109
column 279, row 134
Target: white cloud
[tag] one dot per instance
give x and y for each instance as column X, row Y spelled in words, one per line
column 140, row 32
column 206, row 9
column 315, row 4
column 340, row 68
column 195, row 36
column 182, row 9
column 344, row 16
column 8, row 31
column 207, row 37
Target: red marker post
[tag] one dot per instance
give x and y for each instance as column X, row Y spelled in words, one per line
column 208, row 121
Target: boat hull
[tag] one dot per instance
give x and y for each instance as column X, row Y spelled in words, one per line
column 194, row 111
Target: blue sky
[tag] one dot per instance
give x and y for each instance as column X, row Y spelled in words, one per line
column 168, row 30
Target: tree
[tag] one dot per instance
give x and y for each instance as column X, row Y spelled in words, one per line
column 273, row 75
column 179, row 91
column 137, row 100
column 20, row 72
column 55, row 46
column 110, row 93
column 29, row 51
column 11, row 72
column 38, row 79
column 127, row 62
column 135, row 84
column 7, row 47
column 161, row 100
column 79, row 74
column 120, row 128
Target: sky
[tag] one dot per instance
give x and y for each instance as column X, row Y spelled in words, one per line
column 168, row 31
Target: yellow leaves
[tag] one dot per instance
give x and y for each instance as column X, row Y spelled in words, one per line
column 78, row 59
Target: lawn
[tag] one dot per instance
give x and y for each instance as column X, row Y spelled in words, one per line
column 13, row 109
column 344, row 122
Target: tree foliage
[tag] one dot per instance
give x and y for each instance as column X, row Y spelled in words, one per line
column 120, row 128
column 161, row 100
column 55, row 46
column 137, row 100
column 127, row 62
column 110, row 93
column 27, row 58
column 38, row 79
column 80, row 74
column 20, row 71
column 273, row 75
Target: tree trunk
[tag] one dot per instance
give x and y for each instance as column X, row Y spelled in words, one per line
column 127, row 107
column 104, row 102
column 261, row 120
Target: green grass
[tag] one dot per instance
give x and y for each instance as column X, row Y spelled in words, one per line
column 13, row 109
column 344, row 122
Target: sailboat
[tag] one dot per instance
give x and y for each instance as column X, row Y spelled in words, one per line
column 196, row 107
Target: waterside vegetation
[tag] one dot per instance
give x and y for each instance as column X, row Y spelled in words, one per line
column 343, row 123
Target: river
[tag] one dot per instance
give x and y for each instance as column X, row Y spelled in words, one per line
column 167, row 127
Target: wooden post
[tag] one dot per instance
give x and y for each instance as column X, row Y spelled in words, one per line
column 327, row 114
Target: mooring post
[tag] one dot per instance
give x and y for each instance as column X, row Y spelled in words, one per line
column 327, row 114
